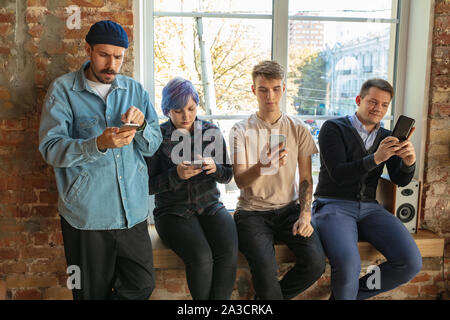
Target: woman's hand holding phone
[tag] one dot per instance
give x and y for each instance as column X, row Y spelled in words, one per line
column 187, row 170
column 209, row 166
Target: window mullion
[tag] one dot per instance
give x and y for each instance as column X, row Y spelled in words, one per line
column 148, row 76
column 280, row 32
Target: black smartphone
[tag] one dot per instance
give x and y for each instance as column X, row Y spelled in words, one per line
column 197, row 164
column 403, row 128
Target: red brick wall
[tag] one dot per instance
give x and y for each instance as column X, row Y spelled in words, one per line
column 38, row 47
column 436, row 184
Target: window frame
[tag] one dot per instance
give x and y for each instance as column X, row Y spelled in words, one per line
column 280, row 36
column 402, row 61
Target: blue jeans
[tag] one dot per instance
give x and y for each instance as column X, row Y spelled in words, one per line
column 208, row 246
column 258, row 230
column 341, row 223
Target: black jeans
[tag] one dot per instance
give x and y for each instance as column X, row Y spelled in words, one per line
column 258, row 230
column 208, row 246
column 114, row 264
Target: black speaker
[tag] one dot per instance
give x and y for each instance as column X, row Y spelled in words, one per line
column 403, row 202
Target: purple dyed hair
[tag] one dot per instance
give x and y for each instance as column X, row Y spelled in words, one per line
column 176, row 94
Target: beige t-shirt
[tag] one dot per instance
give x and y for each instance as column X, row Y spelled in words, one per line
column 276, row 187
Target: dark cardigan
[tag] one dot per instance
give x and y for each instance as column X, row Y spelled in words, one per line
column 348, row 170
column 199, row 194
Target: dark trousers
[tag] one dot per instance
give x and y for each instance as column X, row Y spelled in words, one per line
column 258, row 230
column 208, row 247
column 113, row 264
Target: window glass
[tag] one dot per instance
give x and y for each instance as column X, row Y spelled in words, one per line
column 327, row 60
column 326, row 72
column 231, row 48
column 328, row 63
column 230, row 6
column 381, row 9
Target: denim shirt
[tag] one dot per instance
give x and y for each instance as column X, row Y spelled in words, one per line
column 198, row 194
column 97, row 190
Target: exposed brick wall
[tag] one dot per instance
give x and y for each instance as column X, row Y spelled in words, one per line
column 427, row 285
column 436, row 184
column 35, row 47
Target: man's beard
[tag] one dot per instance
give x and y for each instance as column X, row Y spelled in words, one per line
column 105, row 71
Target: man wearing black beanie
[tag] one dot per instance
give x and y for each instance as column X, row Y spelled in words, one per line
column 100, row 170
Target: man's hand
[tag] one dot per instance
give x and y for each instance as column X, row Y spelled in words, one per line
column 387, row 148
column 406, row 151
column 186, row 171
column 273, row 158
column 133, row 115
column 303, row 225
column 268, row 164
column 111, row 138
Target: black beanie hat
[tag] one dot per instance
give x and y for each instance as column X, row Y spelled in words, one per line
column 107, row 32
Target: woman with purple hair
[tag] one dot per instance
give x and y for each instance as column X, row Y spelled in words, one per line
column 189, row 216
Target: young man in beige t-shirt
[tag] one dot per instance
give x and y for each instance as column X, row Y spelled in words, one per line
column 273, row 205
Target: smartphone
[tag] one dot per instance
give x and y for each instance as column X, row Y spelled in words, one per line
column 197, row 164
column 403, row 128
column 129, row 126
column 276, row 139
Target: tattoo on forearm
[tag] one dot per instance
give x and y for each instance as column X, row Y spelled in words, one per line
column 305, row 194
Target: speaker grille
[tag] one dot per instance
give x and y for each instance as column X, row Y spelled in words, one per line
column 406, row 212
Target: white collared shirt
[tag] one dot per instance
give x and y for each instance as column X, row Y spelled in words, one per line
column 367, row 137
